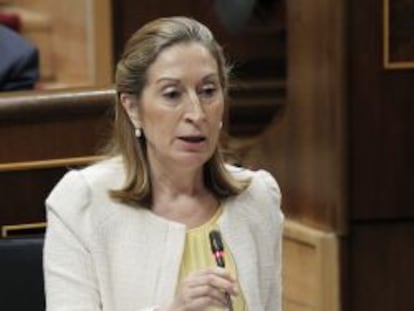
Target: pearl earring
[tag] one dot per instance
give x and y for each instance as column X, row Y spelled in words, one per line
column 221, row 124
column 138, row 132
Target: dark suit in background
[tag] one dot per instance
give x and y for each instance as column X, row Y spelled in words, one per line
column 19, row 62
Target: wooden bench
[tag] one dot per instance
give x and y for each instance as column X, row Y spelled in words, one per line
column 42, row 135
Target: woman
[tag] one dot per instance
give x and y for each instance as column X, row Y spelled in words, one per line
column 132, row 232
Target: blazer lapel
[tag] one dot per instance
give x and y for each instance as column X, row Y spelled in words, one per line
column 236, row 233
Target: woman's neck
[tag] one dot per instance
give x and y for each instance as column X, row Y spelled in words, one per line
column 180, row 195
column 173, row 181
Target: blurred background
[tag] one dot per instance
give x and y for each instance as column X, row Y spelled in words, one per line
column 322, row 96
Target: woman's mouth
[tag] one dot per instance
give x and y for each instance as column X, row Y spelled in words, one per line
column 193, row 139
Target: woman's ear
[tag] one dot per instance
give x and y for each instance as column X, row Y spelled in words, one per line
column 130, row 104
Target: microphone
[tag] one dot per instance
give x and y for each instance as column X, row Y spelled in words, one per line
column 217, row 248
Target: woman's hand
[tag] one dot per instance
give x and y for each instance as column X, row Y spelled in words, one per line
column 204, row 288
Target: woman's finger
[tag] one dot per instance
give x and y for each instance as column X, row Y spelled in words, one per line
column 204, row 288
column 218, row 278
column 208, row 291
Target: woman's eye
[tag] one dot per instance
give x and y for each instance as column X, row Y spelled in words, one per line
column 172, row 95
column 208, row 91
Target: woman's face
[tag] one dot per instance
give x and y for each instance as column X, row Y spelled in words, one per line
column 181, row 107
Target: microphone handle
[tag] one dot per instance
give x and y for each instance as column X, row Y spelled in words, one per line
column 228, row 301
column 217, row 249
column 220, row 263
column 220, row 260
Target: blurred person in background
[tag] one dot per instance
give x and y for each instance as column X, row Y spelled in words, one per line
column 19, row 62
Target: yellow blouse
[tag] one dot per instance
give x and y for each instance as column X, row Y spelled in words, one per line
column 197, row 255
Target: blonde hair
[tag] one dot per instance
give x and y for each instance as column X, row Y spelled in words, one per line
column 140, row 52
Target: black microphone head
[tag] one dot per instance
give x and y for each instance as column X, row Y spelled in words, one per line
column 215, row 241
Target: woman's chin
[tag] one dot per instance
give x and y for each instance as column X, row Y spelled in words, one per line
column 192, row 159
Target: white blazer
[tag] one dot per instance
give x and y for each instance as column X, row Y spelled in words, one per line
column 107, row 256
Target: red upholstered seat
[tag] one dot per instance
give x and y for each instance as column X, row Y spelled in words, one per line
column 10, row 20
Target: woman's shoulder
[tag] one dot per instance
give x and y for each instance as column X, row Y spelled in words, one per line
column 77, row 186
column 260, row 179
column 81, row 200
column 262, row 197
column 107, row 173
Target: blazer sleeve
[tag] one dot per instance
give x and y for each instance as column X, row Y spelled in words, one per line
column 274, row 296
column 70, row 281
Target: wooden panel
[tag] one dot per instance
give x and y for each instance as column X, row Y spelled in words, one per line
column 129, row 15
column 254, row 105
column 381, row 266
column 310, row 269
column 74, row 38
column 382, row 122
column 43, row 134
column 23, row 194
column 71, row 58
column 257, row 52
column 25, row 186
column 48, row 125
column 102, row 66
column 306, row 150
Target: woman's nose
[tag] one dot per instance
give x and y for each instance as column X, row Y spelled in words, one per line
column 195, row 110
